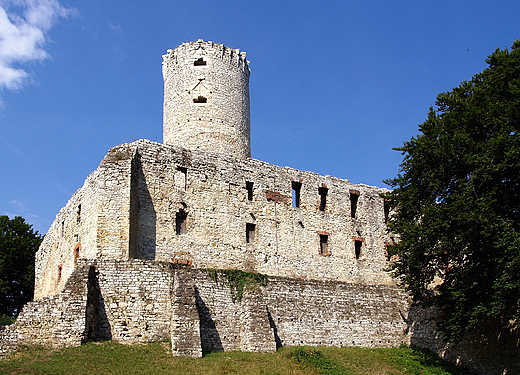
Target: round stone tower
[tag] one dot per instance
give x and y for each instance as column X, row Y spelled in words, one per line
column 206, row 98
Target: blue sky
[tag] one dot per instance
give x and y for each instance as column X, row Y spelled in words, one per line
column 334, row 84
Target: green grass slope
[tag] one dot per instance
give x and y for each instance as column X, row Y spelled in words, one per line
column 155, row 358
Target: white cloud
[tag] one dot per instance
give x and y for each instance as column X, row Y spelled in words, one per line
column 23, row 33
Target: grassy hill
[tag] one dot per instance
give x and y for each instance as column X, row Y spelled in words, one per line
column 155, row 358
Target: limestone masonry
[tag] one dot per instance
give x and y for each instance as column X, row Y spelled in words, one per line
column 138, row 253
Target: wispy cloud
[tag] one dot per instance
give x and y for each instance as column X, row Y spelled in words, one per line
column 23, row 34
column 18, row 208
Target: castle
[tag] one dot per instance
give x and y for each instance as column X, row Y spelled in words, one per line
column 141, row 251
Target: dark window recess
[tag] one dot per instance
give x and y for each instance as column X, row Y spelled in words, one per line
column 76, row 255
column 323, row 197
column 357, row 248
column 324, row 239
column 296, row 188
column 354, row 196
column 387, row 209
column 78, row 217
column 184, row 171
column 60, row 267
column 62, row 228
column 200, row 99
column 199, row 62
column 249, row 187
column 250, row 232
column 180, row 222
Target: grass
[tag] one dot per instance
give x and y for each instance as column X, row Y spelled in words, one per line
column 155, row 358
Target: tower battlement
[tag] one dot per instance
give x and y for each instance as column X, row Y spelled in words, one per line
column 206, row 98
column 184, row 51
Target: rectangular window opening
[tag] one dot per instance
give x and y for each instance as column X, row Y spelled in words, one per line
column 323, row 197
column 250, row 233
column 296, row 189
column 78, row 217
column 60, row 267
column 387, row 209
column 324, row 239
column 354, row 196
column 180, row 222
column 199, row 62
column 249, row 188
column 76, row 255
column 357, row 248
column 183, row 177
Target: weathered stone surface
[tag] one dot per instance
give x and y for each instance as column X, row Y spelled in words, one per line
column 128, row 257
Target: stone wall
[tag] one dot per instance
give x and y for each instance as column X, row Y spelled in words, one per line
column 93, row 224
column 156, row 202
column 206, row 98
column 487, row 349
column 221, row 195
column 67, row 319
column 133, row 301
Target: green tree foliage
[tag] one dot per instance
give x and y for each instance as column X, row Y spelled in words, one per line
column 456, row 201
column 18, row 244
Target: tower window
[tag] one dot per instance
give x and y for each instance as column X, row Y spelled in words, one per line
column 249, row 188
column 78, row 217
column 296, row 188
column 250, row 232
column 180, row 222
column 323, row 197
column 354, row 195
column 357, row 248
column 199, row 62
column 324, row 239
column 200, row 99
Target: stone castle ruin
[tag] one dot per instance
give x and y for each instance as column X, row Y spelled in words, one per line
column 146, row 248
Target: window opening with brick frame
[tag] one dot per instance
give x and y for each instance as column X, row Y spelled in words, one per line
column 323, row 197
column 357, row 248
column 249, row 188
column 354, row 196
column 296, row 189
column 76, row 254
column 324, row 244
column 180, row 222
column 250, row 232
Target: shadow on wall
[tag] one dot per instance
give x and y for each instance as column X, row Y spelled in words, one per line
column 97, row 327
column 275, row 330
column 209, row 336
column 488, row 349
column 143, row 217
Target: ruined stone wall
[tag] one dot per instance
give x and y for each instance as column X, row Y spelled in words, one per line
column 55, row 321
column 486, row 349
column 93, row 224
column 211, row 190
column 157, row 202
column 134, row 300
column 206, row 98
column 288, row 312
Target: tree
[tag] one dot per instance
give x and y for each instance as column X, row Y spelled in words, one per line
column 18, row 245
column 456, row 202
